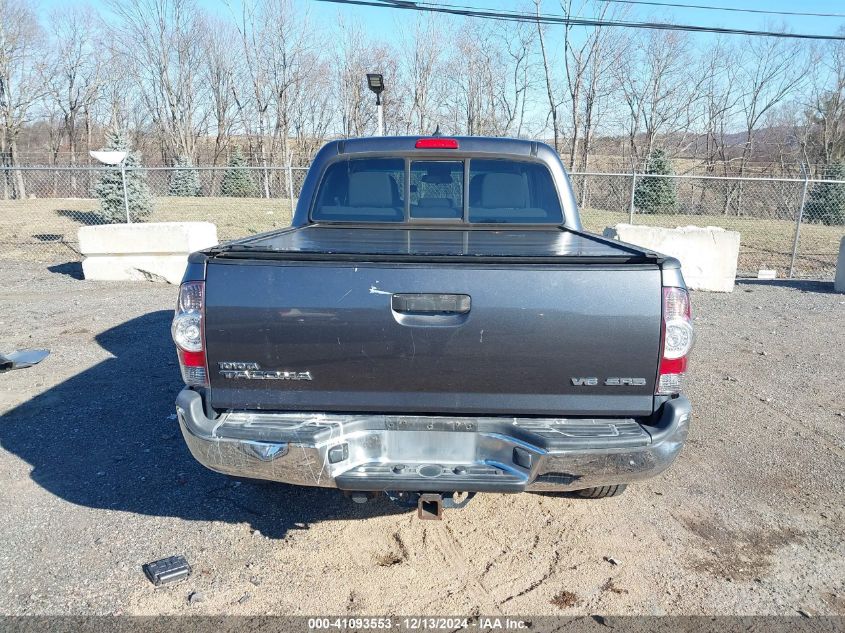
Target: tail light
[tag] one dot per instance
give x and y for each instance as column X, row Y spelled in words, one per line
column 677, row 339
column 188, row 331
column 437, row 143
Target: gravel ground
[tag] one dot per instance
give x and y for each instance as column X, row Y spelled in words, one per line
column 95, row 480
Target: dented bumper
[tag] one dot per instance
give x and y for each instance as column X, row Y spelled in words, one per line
column 371, row 452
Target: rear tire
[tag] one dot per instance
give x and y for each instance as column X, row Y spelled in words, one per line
column 602, row 491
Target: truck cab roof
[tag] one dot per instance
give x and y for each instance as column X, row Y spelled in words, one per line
column 419, row 149
column 467, row 145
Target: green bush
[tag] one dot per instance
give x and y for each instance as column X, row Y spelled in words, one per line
column 826, row 202
column 184, row 183
column 237, row 181
column 653, row 194
column 109, row 189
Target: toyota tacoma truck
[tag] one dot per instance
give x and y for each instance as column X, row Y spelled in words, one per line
column 434, row 323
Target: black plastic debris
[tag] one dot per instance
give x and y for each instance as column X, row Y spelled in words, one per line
column 166, row 570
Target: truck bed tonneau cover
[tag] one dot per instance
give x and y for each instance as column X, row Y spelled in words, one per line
column 556, row 244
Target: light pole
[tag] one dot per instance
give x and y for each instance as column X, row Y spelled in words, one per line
column 376, row 83
column 116, row 158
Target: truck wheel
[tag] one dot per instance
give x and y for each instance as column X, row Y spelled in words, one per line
column 602, row 491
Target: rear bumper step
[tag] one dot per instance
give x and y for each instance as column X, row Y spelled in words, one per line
column 432, row 453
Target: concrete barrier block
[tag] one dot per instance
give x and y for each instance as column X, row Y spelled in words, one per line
column 153, row 237
column 168, row 268
column 839, row 281
column 152, row 252
column 708, row 255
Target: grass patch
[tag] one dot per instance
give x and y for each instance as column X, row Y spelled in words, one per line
column 764, row 243
column 46, row 229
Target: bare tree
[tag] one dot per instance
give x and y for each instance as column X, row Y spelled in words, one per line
column 656, row 86
column 718, row 104
column 21, row 84
column 218, row 73
column 517, row 42
column 289, row 60
column 161, row 41
column 422, row 54
column 72, row 75
column 577, row 53
column 785, row 143
column 554, row 103
column 252, row 90
column 822, row 129
column 588, row 62
column 479, row 102
column 350, row 64
column 186, row 84
column 311, row 113
column 276, row 39
column 767, row 71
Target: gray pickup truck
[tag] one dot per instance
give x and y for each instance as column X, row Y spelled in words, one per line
column 435, row 323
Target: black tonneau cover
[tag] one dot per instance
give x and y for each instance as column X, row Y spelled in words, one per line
column 555, row 244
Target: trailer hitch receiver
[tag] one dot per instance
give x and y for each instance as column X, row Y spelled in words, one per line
column 430, row 507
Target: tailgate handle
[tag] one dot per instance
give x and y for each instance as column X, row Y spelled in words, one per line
column 431, row 303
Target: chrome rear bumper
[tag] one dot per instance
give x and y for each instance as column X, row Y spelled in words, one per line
column 432, row 453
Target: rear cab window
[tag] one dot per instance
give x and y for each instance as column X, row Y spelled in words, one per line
column 466, row 190
column 512, row 192
column 437, row 190
column 362, row 190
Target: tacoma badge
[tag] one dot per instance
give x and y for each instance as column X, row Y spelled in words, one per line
column 253, row 371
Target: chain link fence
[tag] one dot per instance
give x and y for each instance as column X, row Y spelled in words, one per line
column 791, row 225
column 43, row 225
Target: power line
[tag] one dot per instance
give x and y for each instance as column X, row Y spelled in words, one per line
column 500, row 14
column 515, row 16
column 708, row 7
column 674, row 5
column 636, row 2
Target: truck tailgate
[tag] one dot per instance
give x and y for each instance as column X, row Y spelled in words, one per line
column 464, row 335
